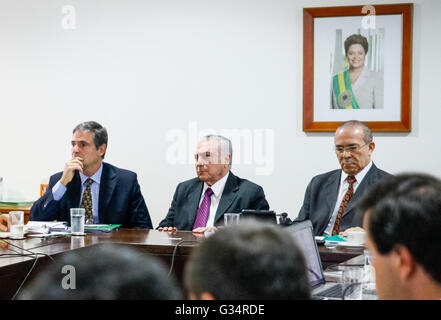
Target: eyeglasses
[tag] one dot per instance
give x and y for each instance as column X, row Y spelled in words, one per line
column 350, row 149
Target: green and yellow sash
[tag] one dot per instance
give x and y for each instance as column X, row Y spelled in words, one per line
column 343, row 91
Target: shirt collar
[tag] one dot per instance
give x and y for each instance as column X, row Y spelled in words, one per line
column 219, row 186
column 359, row 176
column 96, row 177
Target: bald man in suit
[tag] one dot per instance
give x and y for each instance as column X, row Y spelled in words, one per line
column 324, row 203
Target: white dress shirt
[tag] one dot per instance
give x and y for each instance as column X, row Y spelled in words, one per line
column 218, row 189
column 344, row 185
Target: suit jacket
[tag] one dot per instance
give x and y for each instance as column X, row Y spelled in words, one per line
column 238, row 194
column 120, row 200
column 321, row 197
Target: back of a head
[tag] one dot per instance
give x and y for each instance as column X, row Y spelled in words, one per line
column 406, row 210
column 105, row 272
column 251, row 260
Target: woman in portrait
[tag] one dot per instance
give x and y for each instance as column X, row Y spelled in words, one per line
column 357, row 87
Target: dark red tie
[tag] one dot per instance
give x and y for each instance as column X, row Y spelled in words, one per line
column 344, row 203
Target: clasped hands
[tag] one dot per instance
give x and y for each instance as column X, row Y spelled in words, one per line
column 345, row 233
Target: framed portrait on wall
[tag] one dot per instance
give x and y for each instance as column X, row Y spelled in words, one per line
column 357, row 65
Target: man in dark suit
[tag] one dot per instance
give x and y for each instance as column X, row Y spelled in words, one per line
column 200, row 203
column 109, row 194
column 331, row 197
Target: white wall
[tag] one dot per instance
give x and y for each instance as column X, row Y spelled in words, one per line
column 147, row 69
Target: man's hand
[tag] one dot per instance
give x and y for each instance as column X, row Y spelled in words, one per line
column 204, row 229
column 345, row 233
column 168, row 229
column 4, row 222
column 76, row 163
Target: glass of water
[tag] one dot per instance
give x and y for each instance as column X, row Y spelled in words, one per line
column 352, row 279
column 369, row 287
column 77, row 216
column 16, row 224
column 231, row 218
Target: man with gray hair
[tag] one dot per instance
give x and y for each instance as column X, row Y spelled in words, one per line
column 109, row 194
column 330, row 198
column 200, row 203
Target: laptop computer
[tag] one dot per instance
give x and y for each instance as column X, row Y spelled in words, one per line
column 303, row 235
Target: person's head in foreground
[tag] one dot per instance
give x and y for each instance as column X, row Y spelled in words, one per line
column 403, row 223
column 250, row 260
column 104, row 272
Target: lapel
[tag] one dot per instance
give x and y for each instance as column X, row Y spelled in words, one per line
column 107, row 186
column 365, row 183
column 228, row 196
column 333, row 185
column 73, row 192
column 193, row 199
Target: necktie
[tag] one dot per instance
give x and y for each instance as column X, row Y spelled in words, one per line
column 351, row 180
column 86, row 202
column 204, row 210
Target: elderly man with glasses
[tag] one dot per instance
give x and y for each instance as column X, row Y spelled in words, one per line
column 331, row 197
column 199, row 204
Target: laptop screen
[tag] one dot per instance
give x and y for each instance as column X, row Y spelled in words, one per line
column 303, row 235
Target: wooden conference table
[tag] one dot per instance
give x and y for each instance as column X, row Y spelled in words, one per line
column 13, row 269
column 6, row 208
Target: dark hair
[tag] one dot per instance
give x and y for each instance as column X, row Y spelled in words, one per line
column 367, row 136
column 406, row 210
column 356, row 39
column 104, row 272
column 99, row 132
column 251, row 260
